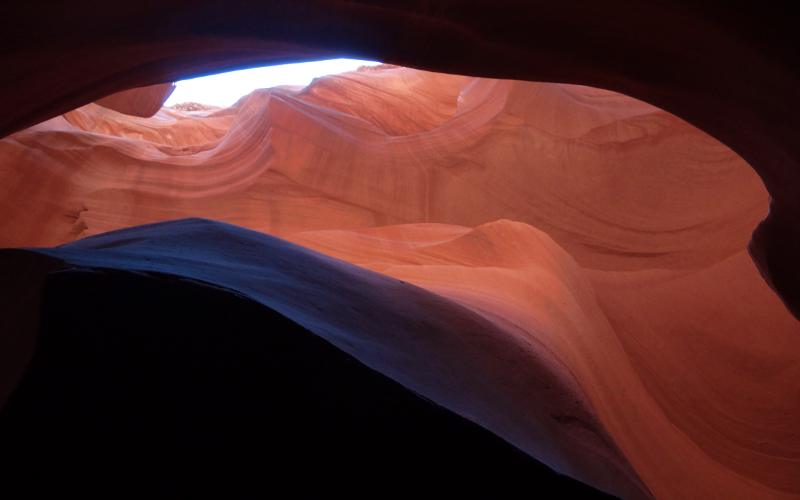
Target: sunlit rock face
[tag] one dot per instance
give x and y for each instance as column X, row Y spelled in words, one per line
column 585, row 290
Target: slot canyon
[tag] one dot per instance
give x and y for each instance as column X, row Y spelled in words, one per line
column 544, row 249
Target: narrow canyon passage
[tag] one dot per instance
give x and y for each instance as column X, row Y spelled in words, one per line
column 562, row 265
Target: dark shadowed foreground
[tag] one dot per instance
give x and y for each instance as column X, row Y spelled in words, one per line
column 149, row 383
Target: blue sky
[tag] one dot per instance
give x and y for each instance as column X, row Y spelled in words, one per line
column 225, row 89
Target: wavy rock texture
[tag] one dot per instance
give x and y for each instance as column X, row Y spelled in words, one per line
column 583, row 287
column 728, row 68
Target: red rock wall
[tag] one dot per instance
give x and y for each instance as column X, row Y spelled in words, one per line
column 729, row 69
column 607, row 236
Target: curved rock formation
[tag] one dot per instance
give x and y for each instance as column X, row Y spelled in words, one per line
column 729, row 69
column 143, row 101
column 209, row 392
column 470, row 364
column 573, row 262
column 283, row 160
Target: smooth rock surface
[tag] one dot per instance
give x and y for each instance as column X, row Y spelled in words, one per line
column 728, row 68
column 581, row 282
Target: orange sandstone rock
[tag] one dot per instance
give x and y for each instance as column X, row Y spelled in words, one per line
column 604, row 238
